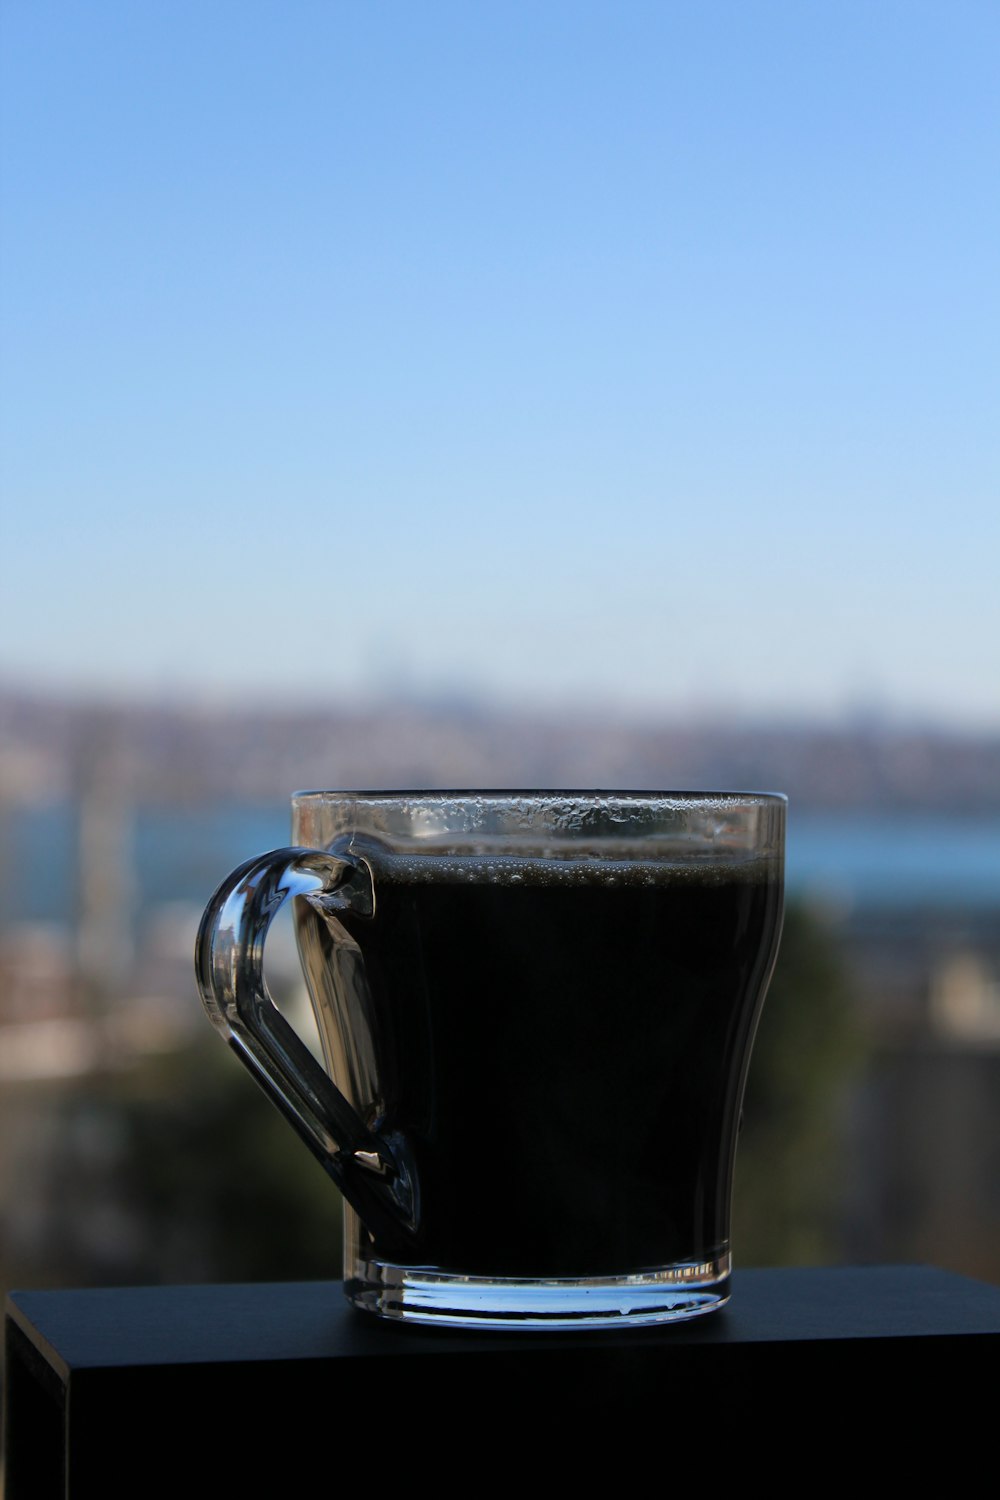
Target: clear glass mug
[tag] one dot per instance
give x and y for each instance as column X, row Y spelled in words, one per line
column 536, row 1011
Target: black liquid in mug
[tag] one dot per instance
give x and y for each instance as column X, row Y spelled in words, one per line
column 562, row 1045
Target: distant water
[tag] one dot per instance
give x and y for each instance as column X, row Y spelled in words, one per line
column 182, row 854
column 896, row 860
column 178, row 854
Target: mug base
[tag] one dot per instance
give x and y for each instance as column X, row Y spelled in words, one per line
column 420, row 1294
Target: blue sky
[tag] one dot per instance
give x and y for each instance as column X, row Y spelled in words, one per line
column 638, row 354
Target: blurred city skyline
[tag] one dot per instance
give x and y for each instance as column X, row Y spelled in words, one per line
column 637, row 356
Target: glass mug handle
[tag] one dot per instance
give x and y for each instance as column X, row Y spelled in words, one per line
column 229, row 960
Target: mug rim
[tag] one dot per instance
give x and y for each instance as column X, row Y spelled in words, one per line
column 540, row 794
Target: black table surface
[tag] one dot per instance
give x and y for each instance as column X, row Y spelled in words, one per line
column 261, row 1384
column 178, row 1325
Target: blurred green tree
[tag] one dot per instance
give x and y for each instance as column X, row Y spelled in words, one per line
column 178, row 1170
column 790, row 1172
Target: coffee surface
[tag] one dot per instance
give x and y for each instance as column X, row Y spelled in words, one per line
column 561, row 1044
